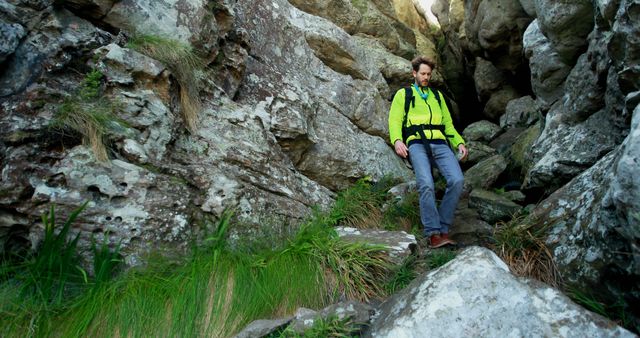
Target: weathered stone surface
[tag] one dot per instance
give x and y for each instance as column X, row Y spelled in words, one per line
column 477, row 293
column 566, row 24
column 483, row 130
column 93, row 8
column 478, row 151
column 563, row 151
column 10, row 35
column 521, row 112
column 395, row 70
column 497, row 104
column 624, row 47
column 493, row 207
column 515, row 195
column 399, row 243
column 548, row 71
column 517, row 155
column 263, row 327
column 496, row 27
column 368, row 18
column 184, row 20
column 505, row 141
column 488, row 78
column 485, row 173
column 45, row 49
column 587, row 235
column 123, row 66
column 468, row 228
column 356, row 313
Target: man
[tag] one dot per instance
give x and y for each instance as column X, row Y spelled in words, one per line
column 425, row 134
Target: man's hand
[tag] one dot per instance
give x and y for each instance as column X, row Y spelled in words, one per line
column 401, row 149
column 463, row 150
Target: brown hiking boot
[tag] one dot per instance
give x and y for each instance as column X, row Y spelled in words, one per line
column 437, row 241
column 446, row 238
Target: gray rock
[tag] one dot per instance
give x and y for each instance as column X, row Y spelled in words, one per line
column 263, row 327
column 481, row 131
column 355, row 313
column 566, row 24
column 586, row 234
column 492, row 25
column 477, row 293
column 504, row 143
column 487, row 78
column 493, row 207
column 96, row 9
column 515, row 195
column 10, row 36
column 45, row 49
column 548, row 71
column 563, row 151
column 624, row 47
column 485, row 173
column 187, row 21
column 497, row 104
column 468, row 228
column 399, row 243
column 522, row 112
column 478, row 151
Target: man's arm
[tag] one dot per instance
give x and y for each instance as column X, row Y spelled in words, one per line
column 396, row 115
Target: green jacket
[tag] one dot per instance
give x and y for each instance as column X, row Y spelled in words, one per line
column 428, row 112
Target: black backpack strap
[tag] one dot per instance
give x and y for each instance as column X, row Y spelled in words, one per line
column 409, row 101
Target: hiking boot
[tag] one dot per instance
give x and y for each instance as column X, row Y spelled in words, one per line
column 446, row 238
column 437, row 241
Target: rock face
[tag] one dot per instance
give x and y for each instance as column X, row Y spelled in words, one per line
column 283, row 123
column 400, row 245
column 477, row 293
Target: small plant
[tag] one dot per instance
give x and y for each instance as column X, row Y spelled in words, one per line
column 53, row 268
column 333, row 327
column 520, row 243
column 438, row 258
column 359, row 206
column 89, row 114
column 402, row 276
column 183, row 63
column 404, row 215
column 105, row 261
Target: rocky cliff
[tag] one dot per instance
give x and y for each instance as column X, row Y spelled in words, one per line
column 291, row 99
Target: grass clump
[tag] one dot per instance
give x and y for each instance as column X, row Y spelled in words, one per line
column 402, row 275
column 184, row 64
column 333, row 327
column 89, row 114
column 438, row 258
column 215, row 291
column 520, row 243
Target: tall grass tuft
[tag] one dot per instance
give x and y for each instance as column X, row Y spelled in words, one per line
column 184, row 64
column 359, row 206
column 520, row 243
column 89, row 114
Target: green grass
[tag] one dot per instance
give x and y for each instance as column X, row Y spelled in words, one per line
column 215, row 292
column 402, row 275
column 89, row 114
column 616, row 310
column 438, row 258
column 185, row 65
column 359, row 206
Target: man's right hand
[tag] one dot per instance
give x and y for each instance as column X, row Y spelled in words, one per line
column 401, row 149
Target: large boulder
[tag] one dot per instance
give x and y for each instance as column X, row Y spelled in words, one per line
column 10, row 35
column 476, row 295
column 548, row 70
column 496, row 28
column 566, row 24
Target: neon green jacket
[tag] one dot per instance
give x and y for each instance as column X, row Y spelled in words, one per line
column 423, row 113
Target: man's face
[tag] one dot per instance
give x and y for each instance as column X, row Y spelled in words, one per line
column 423, row 75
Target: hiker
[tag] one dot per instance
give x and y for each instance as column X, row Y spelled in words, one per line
column 421, row 130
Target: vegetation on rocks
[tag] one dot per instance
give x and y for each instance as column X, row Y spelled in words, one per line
column 185, row 65
column 90, row 114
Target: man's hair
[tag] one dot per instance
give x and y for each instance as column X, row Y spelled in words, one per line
column 415, row 63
